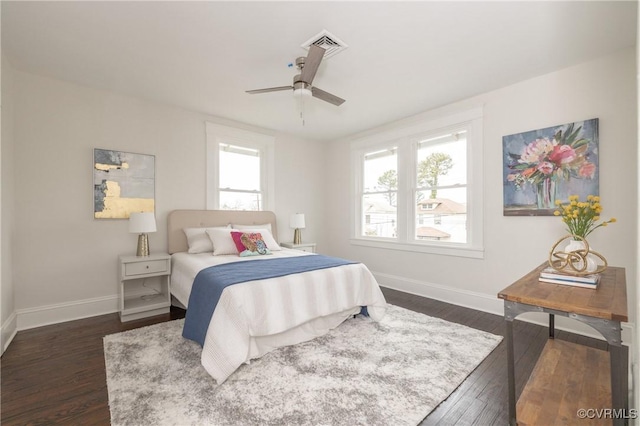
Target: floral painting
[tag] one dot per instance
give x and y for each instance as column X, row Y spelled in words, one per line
column 542, row 166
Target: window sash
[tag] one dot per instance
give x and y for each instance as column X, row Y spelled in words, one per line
column 247, row 202
column 245, row 156
column 429, row 188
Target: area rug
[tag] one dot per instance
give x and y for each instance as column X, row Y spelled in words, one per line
column 394, row 372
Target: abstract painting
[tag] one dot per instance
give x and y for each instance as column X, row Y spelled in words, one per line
column 542, row 166
column 122, row 183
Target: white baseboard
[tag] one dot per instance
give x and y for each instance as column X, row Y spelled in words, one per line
column 465, row 298
column 63, row 312
column 8, row 331
column 491, row 304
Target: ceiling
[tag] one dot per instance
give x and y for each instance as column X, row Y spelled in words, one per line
column 403, row 57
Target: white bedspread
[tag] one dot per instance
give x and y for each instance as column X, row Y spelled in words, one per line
column 256, row 317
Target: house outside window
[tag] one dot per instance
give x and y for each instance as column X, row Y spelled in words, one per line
column 441, row 194
column 240, row 167
column 421, row 187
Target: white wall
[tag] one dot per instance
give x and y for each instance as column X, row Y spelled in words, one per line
column 64, row 261
column 300, row 183
column 604, row 89
column 8, row 322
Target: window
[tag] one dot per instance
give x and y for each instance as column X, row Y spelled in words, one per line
column 419, row 188
column 441, row 193
column 239, row 169
column 380, row 193
column 239, row 182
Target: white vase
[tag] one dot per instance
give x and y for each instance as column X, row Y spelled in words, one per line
column 579, row 246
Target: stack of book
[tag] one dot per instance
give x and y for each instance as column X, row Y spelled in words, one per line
column 550, row 275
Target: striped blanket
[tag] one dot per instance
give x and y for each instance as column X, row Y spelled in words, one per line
column 210, row 282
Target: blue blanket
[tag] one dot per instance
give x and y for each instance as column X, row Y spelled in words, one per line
column 210, row 282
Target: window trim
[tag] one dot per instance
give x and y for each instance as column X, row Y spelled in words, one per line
column 406, row 137
column 217, row 134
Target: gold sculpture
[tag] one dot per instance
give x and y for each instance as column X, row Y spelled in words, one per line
column 575, row 262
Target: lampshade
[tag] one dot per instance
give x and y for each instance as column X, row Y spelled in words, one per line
column 297, row 221
column 141, row 223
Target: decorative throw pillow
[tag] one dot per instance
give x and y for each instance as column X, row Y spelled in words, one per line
column 249, row 243
column 266, row 236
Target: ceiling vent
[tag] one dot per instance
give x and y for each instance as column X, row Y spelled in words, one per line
column 330, row 43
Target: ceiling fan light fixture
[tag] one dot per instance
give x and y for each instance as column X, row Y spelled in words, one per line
column 302, row 83
column 302, row 92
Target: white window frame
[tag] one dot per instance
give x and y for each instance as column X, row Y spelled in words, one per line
column 406, row 138
column 217, row 134
column 362, row 192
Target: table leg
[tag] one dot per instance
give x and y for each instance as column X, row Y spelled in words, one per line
column 619, row 397
column 552, row 326
column 511, row 373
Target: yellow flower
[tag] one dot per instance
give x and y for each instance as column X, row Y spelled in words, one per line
column 613, row 220
column 558, row 202
column 581, row 217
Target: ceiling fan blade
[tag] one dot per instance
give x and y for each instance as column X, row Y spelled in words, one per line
column 326, row 96
column 270, row 89
column 312, row 63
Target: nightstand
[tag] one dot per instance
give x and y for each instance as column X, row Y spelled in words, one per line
column 138, row 300
column 308, row 247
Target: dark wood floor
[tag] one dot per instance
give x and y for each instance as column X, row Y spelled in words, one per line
column 56, row 374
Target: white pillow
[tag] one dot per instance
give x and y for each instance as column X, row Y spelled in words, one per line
column 199, row 241
column 266, row 235
column 266, row 226
column 222, row 241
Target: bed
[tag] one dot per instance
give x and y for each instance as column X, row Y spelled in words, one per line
column 254, row 317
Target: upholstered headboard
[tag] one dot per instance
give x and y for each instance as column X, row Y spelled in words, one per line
column 179, row 219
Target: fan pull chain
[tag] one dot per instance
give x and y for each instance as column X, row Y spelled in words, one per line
column 301, row 108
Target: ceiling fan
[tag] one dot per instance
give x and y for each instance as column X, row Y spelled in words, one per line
column 302, row 82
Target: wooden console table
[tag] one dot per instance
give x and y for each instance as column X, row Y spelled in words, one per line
column 603, row 309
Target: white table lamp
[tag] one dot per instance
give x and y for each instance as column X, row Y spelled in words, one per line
column 142, row 223
column 297, row 223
